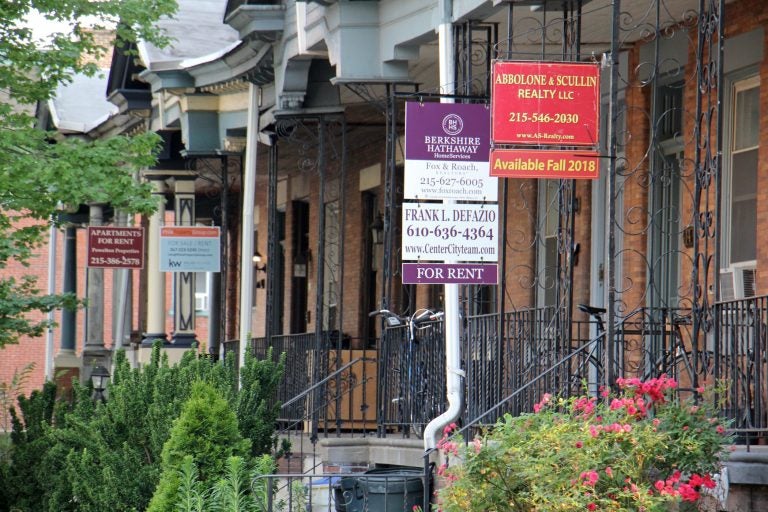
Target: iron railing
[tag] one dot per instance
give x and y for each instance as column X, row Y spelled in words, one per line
column 412, row 379
column 731, row 351
column 740, row 363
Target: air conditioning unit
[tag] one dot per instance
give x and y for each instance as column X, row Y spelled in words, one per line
column 201, row 302
column 738, row 281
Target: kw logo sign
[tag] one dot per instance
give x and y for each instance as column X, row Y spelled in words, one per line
column 189, row 249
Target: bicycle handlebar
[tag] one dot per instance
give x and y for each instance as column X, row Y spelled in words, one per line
column 419, row 317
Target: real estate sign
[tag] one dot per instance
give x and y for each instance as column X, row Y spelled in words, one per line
column 450, row 273
column 189, row 249
column 115, row 247
column 446, row 152
column 537, row 163
column 545, row 103
column 450, row 232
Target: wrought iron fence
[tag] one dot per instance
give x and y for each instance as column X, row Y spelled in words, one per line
column 739, row 361
column 498, row 366
column 411, row 379
column 404, row 392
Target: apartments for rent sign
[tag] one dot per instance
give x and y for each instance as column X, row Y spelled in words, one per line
column 552, row 104
column 115, row 247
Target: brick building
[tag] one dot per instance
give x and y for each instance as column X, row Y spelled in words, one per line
column 284, row 126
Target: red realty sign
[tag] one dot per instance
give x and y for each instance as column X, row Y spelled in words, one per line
column 545, row 103
column 115, row 247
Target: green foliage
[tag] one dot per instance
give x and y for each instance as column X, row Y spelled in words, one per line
column 635, row 451
column 191, row 494
column 23, row 477
column 77, row 458
column 72, row 171
column 240, row 489
column 207, row 430
column 260, row 380
column 9, row 393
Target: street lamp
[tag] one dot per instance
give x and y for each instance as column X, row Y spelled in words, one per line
column 99, row 379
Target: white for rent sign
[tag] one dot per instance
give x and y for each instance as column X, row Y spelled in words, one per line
column 450, row 232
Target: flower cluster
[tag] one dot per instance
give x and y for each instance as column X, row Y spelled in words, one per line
column 638, row 449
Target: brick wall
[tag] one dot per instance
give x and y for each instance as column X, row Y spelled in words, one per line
column 13, row 358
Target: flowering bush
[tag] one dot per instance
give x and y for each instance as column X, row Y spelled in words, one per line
column 637, row 450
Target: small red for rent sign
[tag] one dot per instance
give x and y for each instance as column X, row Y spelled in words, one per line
column 115, row 247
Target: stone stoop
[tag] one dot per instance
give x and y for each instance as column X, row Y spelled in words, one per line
column 747, row 479
column 370, row 452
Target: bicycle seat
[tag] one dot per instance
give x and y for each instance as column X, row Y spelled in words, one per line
column 591, row 310
column 681, row 319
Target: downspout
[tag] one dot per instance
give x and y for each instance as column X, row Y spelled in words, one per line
column 246, row 248
column 453, row 370
column 49, row 342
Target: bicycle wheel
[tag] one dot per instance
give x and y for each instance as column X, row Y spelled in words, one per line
column 424, row 410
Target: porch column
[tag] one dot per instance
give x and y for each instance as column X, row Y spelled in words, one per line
column 69, row 285
column 184, row 282
column 155, row 278
column 66, row 363
column 94, row 352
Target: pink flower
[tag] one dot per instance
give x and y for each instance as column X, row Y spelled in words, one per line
column 720, row 429
column 609, row 471
column 579, row 444
column 589, row 478
column 688, row 493
column 592, row 506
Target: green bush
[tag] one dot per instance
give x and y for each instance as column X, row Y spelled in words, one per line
column 107, row 456
column 206, row 430
column 636, row 451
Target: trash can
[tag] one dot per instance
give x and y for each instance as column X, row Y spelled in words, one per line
column 380, row 490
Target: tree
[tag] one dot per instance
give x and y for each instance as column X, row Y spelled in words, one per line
column 38, row 177
column 207, row 430
column 75, row 457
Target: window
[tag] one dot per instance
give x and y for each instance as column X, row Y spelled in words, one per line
column 739, row 253
column 744, row 144
column 202, row 292
column 549, row 208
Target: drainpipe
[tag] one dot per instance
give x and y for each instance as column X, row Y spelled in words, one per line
column 246, row 248
column 453, row 370
column 49, row 341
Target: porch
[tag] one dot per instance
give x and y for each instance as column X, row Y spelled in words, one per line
column 510, row 361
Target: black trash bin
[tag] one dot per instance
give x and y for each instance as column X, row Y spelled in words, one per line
column 380, row 490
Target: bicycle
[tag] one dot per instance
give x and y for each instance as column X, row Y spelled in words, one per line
column 673, row 359
column 417, row 398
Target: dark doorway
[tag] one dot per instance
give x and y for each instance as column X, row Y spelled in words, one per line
column 300, row 270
